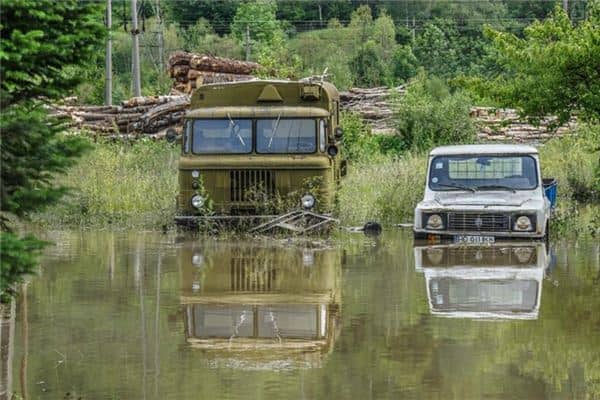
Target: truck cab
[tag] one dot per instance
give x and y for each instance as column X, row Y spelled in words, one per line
column 475, row 194
column 251, row 146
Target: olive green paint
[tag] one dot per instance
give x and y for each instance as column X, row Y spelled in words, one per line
column 290, row 172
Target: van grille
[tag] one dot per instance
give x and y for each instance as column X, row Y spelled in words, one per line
column 478, row 222
column 246, row 184
column 247, row 275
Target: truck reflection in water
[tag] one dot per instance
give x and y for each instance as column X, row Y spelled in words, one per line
column 255, row 308
column 493, row 282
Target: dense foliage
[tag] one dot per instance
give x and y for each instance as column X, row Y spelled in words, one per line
column 42, row 43
column 553, row 70
column 300, row 38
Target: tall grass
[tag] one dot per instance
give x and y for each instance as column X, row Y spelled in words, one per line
column 120, row 185
column 386, row 190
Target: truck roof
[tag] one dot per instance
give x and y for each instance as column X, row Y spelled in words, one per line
column 483, row 149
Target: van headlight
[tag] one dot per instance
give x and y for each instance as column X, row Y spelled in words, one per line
column 308, row 201
column 523, row 223
column 435, row 222
column 197, row 201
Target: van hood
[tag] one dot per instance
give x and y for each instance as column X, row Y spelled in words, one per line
column 504, row 198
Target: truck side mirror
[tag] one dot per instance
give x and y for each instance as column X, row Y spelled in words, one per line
column 171, row 135
column 338, row 133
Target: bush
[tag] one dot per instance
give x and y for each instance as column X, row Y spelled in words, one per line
column 429, row 115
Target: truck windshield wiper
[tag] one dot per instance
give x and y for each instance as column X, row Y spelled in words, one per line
column 274, row 130
column 496, row 187
column 456, row 186
column 233, row 125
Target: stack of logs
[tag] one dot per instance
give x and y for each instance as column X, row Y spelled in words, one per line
column 153, row 115
column 373, row 105
column 505, row 124
column 147, row 115
column 190, row 70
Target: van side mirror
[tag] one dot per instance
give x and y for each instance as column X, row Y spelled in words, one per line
column 338, row 133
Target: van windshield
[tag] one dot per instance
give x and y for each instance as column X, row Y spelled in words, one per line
column 222, row 136
column 487, row 172
column 280, row 135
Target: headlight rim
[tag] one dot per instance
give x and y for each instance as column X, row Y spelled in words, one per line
column 202, row 201
column 529, row 228
column 439, row 226
column 306, row 196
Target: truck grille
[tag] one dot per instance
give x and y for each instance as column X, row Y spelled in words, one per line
column 247, row 275
column 478, row 222
column 248, row 184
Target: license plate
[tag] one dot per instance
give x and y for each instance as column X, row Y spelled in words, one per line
column 471, row 239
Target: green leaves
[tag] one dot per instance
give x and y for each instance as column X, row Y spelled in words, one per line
column 42, row 38
column 554, row 69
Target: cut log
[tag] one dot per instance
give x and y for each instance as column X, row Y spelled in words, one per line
column 223, row 65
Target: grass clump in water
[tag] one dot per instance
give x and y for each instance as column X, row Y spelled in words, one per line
column 122, row 185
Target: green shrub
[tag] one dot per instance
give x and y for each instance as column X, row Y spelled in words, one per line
column 429, row 115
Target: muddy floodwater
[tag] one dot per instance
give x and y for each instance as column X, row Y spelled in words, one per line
column 151, row 316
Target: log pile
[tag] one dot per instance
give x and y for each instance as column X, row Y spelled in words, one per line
column 190, row 70
column 505, row 124
column 373, row 105
column 138, row 115
column 153, row 115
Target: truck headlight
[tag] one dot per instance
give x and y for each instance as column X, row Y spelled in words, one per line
column 435, row 221
column 523, row 223
column 308, row 201
column 195, row 173
column 197, row 201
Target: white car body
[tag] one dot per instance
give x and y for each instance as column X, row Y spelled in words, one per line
column 482, row 204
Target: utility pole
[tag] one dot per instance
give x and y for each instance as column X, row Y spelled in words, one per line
column 135, row 50
column 566, row 6
column 108, row 59
column 247, row 42
column 160, row 38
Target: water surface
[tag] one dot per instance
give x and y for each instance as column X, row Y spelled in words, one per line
column 150, row 316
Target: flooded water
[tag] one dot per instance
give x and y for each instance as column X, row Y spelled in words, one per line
column 150, row 316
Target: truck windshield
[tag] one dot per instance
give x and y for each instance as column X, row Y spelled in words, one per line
column 280, row 135
column 220, row 136
column 477, row 173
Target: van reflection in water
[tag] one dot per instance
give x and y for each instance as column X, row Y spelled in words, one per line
column 251, row 307
column 502, row 281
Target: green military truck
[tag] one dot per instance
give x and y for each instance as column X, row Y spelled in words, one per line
column 251, row 147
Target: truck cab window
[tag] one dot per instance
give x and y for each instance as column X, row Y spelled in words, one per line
column 281, row 136
column 222, row 136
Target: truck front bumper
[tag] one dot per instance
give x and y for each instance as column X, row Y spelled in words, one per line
column 445, row 235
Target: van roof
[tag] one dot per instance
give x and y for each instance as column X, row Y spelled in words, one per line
column 483, row 149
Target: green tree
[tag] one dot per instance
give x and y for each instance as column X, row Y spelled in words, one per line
column 429, row 115
column 368, row 68
column 259, row 18
column 42, row 43
column 553, row 69
column 404, row 64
